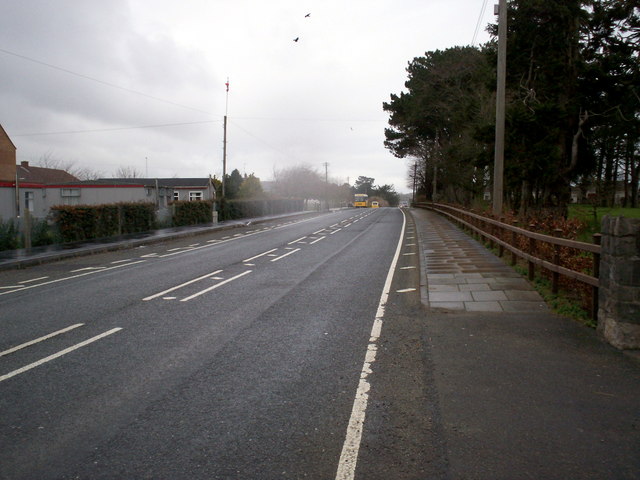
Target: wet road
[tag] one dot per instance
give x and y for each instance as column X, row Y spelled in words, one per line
column 242, row 354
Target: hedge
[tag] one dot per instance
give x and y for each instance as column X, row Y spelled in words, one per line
column 191, row 213
column 86, row 222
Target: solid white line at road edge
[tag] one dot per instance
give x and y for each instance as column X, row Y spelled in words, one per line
column 56, row 355
column 351, row 446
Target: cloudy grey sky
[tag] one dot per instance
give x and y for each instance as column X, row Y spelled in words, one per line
column 99, row 68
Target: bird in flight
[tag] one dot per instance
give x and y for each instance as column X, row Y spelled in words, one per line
column 307, row 15
column 296, row 39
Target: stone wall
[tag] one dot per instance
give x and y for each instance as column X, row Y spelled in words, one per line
column 619, row 294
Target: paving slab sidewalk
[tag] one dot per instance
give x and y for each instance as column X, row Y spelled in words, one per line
column 520, row 391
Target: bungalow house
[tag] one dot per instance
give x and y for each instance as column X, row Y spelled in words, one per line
column 159, row 191
column 37, row 189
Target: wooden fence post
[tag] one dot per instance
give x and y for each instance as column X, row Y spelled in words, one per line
column 514, row 238
column 501, row 237
column 556, row 261
column 532, row 252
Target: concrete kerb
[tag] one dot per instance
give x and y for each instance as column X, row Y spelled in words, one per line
column 26, row 259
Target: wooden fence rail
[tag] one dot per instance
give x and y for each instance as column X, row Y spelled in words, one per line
column 505, row 237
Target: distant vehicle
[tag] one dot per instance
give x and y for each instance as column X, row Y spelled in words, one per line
column 361, row 200
column 375, row 204
column 404, row 204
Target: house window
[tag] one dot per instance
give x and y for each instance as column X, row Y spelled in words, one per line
column 195, row 196
column 28, row 201
column 70, row 192
column 176, row 195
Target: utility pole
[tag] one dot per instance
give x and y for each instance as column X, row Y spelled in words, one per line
column 224, row 141
column 498, row 162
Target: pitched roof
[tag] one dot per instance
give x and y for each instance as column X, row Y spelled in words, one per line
column 29, row 174
column 5, row 136
column 151, row 182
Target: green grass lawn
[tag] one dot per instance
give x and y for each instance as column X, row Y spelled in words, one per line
column 593, row 217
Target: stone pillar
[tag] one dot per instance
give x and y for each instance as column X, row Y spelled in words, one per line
column 619, row 293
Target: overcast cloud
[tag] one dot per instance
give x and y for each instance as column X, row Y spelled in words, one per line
column 97, row 67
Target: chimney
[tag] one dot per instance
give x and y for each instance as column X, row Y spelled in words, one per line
column 24, row 164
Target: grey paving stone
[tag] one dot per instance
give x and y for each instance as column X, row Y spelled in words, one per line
column 450, row 297
column 444, row 288
column 489, row 296
column 474, row 287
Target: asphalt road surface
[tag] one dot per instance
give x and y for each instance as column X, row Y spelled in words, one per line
column 273, row 351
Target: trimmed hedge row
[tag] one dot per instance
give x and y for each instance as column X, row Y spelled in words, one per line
column 191, row 213
column 86, row 222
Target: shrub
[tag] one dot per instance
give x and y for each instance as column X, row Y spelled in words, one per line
column 9, row 235
column 87, row 222
column 191, row 213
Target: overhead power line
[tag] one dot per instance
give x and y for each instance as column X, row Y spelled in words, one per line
column 97, row 130
column 102, row 82
column 479, row 22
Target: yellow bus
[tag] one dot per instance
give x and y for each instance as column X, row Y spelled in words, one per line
column 360, row 200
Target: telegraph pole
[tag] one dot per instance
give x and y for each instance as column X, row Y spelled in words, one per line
column 498, row 162
column 224, row 141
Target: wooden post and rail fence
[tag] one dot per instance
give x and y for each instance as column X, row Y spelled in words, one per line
column 615, row 299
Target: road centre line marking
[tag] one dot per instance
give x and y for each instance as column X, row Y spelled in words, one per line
column 296, row 241
column 27, row 287
column 149, row 255
column 316, row 241
column 319, row 231
column 13, row 286
column 350, row 448
column 260, row 255
column 151, row 297
column 285, row 255
column 33, row 280
column 406, row 290
column 230, row 239
column 58, row 354
column 40, row 339
column 407, row 268
column 335, row 231
column 215, row 286
column 121, row 261
column 87, row 268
